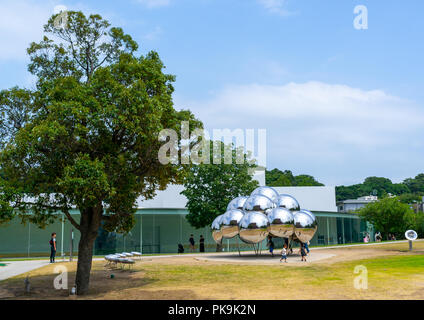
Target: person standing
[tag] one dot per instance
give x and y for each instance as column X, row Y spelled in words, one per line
column 191, row 241
column 306, row 244
column 284, row 254
column 202, row 244
column 271, row 245
column 53, row 247
column 303, row 252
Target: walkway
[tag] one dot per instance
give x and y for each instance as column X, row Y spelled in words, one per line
column 14, row 268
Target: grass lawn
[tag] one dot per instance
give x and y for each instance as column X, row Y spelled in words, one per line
column 393, row 273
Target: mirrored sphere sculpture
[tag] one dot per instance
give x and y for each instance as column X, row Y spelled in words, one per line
column 229, row 223
column 237, row 203
column 305, row 225
column 253, row 227
column 288, row 202
column 216, row 229
column 266, row 191
column 259, row 203
column 308, row 212
column 281, row 223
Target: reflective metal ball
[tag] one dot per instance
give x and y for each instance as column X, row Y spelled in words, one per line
column 237, row 203
column 288, row 202
column 305, row 225
column 229, row 223
column 259, row 203
column 281, row 223
column 266, row 191
column 253, row 227
column 216, row 229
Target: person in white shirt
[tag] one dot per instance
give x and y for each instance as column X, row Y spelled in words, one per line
column 284, row 254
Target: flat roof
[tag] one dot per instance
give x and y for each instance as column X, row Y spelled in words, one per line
column 310, row 198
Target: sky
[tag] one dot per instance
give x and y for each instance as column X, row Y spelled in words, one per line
column 337, row 103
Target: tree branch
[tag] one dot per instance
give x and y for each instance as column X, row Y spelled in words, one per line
column 73, row 222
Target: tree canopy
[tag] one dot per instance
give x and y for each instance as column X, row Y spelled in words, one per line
column 381, row 187
column 87, row 136
column 278, row 178
column 210, row 187
column 388, row 215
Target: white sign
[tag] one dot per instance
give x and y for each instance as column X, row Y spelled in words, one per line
column 411, row 235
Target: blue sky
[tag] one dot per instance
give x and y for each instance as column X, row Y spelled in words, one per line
column 338, row 103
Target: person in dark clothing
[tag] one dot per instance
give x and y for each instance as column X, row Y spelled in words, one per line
column 303, row 252
column 202, row 244
column 180, row 248
column 271, row 245
column 53, row 247
column 191, row 241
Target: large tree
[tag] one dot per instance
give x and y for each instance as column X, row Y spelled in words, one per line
column 209, row 187
column 87, row 136
column 388, row 215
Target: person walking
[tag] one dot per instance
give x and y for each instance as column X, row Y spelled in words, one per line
column 202, row 244
column 191, row 241
column 306, row 244
column 284, row 254
column 303, row 252
column 271, row 245
column 52, row 243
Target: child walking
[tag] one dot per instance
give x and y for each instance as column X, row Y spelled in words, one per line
column 284, row 254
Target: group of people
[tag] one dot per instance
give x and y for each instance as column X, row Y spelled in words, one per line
column 304, row 249
column 378, row 237
column 192, row 244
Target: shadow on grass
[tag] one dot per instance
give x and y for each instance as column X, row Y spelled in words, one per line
column 101, row 283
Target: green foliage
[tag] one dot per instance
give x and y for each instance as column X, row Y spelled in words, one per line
column 380, row 186
column 210, row 187
column 415, row 221
column 388, row 215
column 278, row 178
column 87, row 136
column 410, row 198
column 415, row 185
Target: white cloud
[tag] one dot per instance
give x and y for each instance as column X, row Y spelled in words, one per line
column 154, row 3
column 276, row 6
column 320, row 127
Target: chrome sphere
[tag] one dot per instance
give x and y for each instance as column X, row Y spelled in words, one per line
column 236, row 203
column 281, row 223
column 229, row 223
column 308, row 213
column 253, row 227
column 288, row 202
column 259, row 203
column 216, row 229
column 305, row 225
column 267, row 192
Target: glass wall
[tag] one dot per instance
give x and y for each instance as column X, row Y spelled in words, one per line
column 28, row 240
column 160, row 231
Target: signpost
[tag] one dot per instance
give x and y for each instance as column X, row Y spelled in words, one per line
column 411, row 235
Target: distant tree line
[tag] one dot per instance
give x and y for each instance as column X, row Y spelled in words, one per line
column 278, row 178
column 408, row 191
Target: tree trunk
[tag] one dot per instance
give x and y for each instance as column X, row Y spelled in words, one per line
column 85, row 256
column 89, row 225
